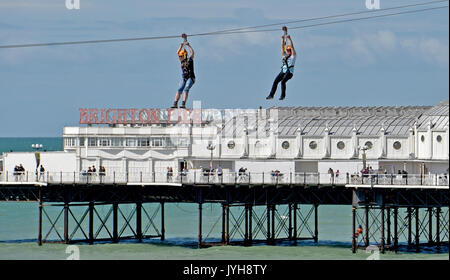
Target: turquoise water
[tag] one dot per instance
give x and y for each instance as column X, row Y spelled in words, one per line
column 24, row 144
column 19, row 227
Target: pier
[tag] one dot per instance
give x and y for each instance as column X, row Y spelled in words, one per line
column 394, row 210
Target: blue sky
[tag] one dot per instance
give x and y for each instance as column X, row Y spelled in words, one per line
column 401, row 60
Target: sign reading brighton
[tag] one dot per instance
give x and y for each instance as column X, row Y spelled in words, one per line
column 140, row 116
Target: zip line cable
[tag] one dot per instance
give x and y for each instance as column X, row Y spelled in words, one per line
column 324, row 23
column 243, row 30
column 324, row 17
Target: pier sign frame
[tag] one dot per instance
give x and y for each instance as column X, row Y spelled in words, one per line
column 113, row 116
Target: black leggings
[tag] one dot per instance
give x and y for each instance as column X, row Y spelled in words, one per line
column 283, row 78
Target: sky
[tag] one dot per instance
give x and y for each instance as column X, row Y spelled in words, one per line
column 393, row 61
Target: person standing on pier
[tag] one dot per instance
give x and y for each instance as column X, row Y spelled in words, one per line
column 21, row 172
column 41, row 172
column 169, row 174
column 16, row 173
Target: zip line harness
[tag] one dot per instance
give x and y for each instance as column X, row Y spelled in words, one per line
column 285, row 58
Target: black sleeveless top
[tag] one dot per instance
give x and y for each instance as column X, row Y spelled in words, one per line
column 187, row 67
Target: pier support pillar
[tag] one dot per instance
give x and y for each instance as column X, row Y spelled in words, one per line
column 383, row 238
column 417, row 230
column 40, row 219
column 366, row 239
column 388, row 224
column 91, row 222
column 250, row 224
column 246, row 225
column 396, row 229
column 409, row 211
column 430, row 226
column 316, row 223
column 438, row 228
column 227, row 225
column 200, row 217
column 115, row 222
column 163, row 225
column 200, row 210
column 268, row 224
column 139, row 221
column 354, row 245
column 295, row 223
column 290, row 221
column 223, row 223
column 273, row 232
column 66, row 223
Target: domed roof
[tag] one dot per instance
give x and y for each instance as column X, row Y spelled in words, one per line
column 437, row 115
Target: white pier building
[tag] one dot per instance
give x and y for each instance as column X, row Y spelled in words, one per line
column 291, row 140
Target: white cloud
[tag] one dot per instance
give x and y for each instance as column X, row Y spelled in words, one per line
column 382, row 44
column 383, row 41
column 431, row 50
column 362, row 49
column 434, row 50
column 233, row 44
column 373, row 45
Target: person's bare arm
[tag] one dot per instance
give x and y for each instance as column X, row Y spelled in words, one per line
column 292, row 45
column 191, row 49
column 283, row 46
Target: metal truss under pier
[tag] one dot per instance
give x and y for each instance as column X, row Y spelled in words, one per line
column 114, row 224
column 387, row 220
column 250, row 214
column 243, row 224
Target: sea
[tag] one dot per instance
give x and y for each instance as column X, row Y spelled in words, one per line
column 19, row 231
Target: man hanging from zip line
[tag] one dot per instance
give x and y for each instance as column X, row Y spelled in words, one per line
column 188, row 76
column 287, row 68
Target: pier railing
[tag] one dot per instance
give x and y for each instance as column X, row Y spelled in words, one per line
column 225, row 178
column 401, row 179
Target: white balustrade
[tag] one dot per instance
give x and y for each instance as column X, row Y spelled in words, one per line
column 226, row 178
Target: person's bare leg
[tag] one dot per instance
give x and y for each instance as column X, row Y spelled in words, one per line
column 177, row 97
column 185, row 97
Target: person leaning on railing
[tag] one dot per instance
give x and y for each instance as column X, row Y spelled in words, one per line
column 101, row 170
column 242, row 172
column 20, row 171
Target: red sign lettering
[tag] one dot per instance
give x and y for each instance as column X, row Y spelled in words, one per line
column 84, row 116
column 143, row 116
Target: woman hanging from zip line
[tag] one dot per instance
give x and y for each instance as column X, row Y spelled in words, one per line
column 287, row 68
column 188, row 76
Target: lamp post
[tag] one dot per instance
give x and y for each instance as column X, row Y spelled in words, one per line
column 364, row 158
column 36, row 147
column 211, row 147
